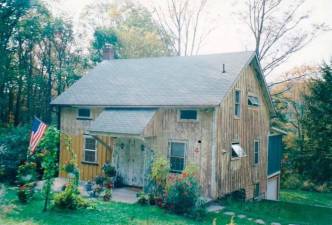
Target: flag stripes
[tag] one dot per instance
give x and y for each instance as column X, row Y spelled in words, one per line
column 38, row 129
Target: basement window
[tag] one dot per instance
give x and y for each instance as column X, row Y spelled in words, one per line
column 90, row 149
column 237, row 151
column 177, row 156
column 253, row 101
column 188, row 115
column 83, row 113
column 256, row 190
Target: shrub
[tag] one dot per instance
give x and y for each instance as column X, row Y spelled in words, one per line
column 183, row 194
column 25, row 192
column 142, row 198
column 159, row 173
column 70, row 199
column 14, row 143
column 293, row 181
column 109, row 170
column 100, row 180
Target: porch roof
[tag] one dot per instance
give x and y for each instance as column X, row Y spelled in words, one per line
column 122, row 121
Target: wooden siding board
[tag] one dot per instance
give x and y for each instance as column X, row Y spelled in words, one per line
column 253, row 124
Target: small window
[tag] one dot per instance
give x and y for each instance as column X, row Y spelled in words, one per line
column 253, row 101
column 237, row 151
column 83, row 113
column 90, row 149
column 177, row 156
column 188, row 114
column 256, row 190
column 237, row 106
column 256, row 151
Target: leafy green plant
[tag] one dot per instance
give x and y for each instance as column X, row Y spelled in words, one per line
column 26, row 177
column 14, row 143
column 70, row 199
column 109, row 170
column 183, row 194
column 159, row 173
column 49, row 155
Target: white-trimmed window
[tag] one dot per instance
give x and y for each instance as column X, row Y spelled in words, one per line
column 83, row 113
column 237, row 104
column 188, row 115
column 90, row 149
column 256, row 151
column 237, row 151
column 253, row 101
column 177, row 152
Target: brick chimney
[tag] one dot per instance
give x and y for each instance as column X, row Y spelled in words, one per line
column 108, row 52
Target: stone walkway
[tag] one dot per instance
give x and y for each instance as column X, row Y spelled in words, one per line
column 125, row 194
column 217, row 208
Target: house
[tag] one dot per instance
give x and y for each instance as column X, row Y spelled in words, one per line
column 213, row 111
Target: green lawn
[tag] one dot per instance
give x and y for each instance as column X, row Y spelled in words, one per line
column 12, row 212
column 306, row 197
column 105, row 213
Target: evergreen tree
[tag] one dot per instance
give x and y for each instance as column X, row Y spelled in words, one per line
column 318, row 128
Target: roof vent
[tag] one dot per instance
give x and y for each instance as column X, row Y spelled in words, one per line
column 223, row 68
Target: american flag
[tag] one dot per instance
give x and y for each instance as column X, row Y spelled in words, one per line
column 38, row 130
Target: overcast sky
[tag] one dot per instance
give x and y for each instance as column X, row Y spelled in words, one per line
column 230, row 35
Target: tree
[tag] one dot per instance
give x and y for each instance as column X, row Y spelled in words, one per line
column 318, row 128
column 181, row 19
column 133, row 33
column 279, row 30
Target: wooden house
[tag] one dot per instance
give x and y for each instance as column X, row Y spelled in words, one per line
column 213, row 111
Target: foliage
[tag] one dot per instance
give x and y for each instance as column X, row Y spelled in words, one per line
column 132, row 33
column 182, row 194
column 26, row 178
column 70, row 199
column 49, row 155
column 109, row 170
column 105, row 212
column 159, row 173
column 37, row 61
column 71, row 167
column 317, row 155
column 307, row 197
column 107, row 194
column 14, row 143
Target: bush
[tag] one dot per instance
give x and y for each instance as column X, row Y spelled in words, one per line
column 183, row 194
column 70, row 199
column 109, row 170
column 293, row 181
column 14, row 143
column 159, row 173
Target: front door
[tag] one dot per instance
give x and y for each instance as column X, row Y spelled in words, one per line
column 129, row 160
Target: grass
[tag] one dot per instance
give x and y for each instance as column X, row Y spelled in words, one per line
column 105, row 213
column 295, row 212
column 302, row 209
column 306, row 197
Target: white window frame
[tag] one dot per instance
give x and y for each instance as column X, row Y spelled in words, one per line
column 83, row 117
column 237, row 103
column 244, row 154
column 258, row 152
column 90, row 150
column 187, row 120
column 253, row 96
column 184, row 154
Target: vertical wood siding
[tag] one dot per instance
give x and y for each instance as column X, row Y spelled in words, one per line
column 75, row 129
column 165, row 127
column 252, row 124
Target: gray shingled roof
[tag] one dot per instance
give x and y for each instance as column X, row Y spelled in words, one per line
column 162, row 81
column 122, row 121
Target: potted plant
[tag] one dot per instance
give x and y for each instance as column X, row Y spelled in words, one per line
column 99, row 180
column 109, row 170
column 107, row 195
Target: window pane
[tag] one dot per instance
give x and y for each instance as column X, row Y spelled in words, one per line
column 237, row 151
column 84, row 113
column 177, row 164
column 256, row 152
column 237, row 109
column 90, row 156
column 253, row 101
column 256, row 192
column 177, row 149
column 188, row 114
column 90, row 143
column 237, row 96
